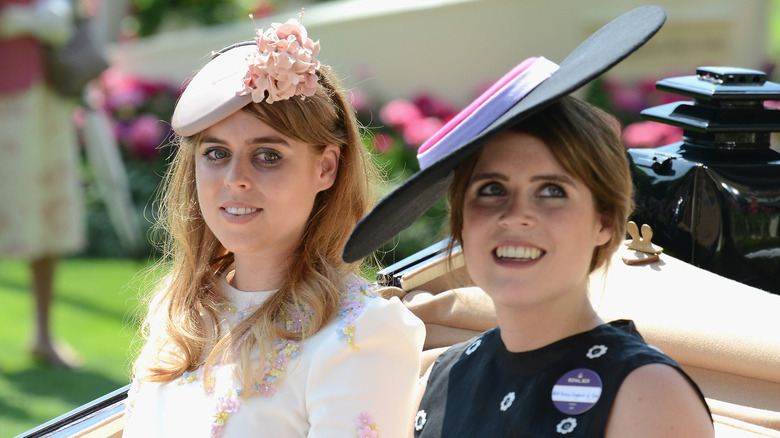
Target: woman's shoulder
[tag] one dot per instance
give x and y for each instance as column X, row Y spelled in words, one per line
column 654, row 386
column 658, row 391
column 365, row 313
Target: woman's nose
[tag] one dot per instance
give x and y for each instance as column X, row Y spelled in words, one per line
column 517, row 212
column 238, row 174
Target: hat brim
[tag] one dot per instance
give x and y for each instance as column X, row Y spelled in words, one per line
column 212, row 95
column 594, row 56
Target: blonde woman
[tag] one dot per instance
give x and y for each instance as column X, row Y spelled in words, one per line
column 259, row 328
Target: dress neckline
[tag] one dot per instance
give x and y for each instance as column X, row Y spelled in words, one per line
column 534, row 361
column 242, row 300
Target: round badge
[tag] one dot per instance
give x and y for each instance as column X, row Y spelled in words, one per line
column 577, row 391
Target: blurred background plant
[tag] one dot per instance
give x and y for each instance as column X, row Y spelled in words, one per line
column 139, row 112
column 395, row 130
column 148, row 17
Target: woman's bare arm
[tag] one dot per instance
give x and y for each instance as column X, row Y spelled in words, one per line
column 657, row 401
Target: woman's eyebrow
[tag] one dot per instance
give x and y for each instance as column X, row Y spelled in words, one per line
column 488, row 176
column 558, row 178
column 210, row 139
column 266, row 139
column 269, row 139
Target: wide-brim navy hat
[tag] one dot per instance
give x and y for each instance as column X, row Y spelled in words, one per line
column 529, row 87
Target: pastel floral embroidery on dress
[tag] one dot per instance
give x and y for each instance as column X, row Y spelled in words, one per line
column 420, row 420
column 366, row 425
column 226, row 405
column 596, row 351
column 357, row 292
column 566, row 426
column 297, row 319
column 353, row 305
column 473, row 346
column 232, row 315
column 189, row 377
column 186, row 378
column 507, row 401
column 226, row 307
column 275, row 366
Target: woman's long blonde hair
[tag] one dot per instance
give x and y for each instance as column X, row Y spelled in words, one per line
column 586, row 141
column 180, row 329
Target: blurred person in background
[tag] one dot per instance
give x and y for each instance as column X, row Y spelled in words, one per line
column 41, row 209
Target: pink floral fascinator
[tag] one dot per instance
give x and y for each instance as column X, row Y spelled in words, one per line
column 277, row 65
column 529, row 87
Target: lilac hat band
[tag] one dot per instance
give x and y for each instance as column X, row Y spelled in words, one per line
column 488, row 107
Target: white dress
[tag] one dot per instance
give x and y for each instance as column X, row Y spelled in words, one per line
column 355, row 377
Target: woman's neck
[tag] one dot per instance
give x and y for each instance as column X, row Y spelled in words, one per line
column 259, row 273
column 528, row 329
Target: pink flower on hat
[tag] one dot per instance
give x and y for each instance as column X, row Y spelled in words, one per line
column 284, row 64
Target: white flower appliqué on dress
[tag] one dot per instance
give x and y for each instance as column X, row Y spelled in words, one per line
column 420, row 419
column 473, row 346
column 566, row 426
column 596, row 351
column 507, row 401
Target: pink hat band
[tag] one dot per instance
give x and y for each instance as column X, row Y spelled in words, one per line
column 488, row 107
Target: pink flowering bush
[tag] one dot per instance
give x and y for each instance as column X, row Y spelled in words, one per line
column 416, row 120
column 139, row 112
column 626, row 100
column 397, row 128
column 650, row 135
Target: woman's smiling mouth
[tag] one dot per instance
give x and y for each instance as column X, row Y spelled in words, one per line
column 240, row 211
column 518, row 253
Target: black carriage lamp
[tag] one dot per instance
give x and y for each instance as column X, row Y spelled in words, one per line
column 727, row 114
column 713, row 199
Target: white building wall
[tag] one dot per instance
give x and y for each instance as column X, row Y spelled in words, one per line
column 395, row 48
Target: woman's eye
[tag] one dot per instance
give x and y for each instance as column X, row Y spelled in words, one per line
column 491, row 189
column 552, row 191
column 269, row 157
column 215, row 154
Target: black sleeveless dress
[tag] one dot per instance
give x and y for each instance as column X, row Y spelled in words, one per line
column 565, row 389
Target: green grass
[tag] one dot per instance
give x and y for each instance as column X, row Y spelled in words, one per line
column 95, row 311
